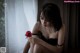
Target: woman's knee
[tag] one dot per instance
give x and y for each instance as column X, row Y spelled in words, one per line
column 37, row 48
column 40, row 49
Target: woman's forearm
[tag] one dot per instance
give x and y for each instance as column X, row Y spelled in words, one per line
column 27, row 46
column 55, row 49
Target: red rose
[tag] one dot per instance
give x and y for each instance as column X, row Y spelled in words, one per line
column 28, row 34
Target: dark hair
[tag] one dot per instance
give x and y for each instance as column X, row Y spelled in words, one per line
column 51, row 13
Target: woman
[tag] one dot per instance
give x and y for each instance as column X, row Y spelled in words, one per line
column 48, row 32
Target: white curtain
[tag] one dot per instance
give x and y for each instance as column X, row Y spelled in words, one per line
column 20, row 16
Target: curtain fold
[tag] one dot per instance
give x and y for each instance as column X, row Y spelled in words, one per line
column 20, row 16
column 71, row 12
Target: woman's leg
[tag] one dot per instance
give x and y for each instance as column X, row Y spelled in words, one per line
column 37, row 49
column 31, row 48
column 40, row 49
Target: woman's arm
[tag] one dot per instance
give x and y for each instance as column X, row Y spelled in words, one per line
column 35, row 31
column 61, row 35
column 52, row 48
column 36, row 28
column 27, row 46
column 56, row 49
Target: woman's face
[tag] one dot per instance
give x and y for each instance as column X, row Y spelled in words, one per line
column 42, row 19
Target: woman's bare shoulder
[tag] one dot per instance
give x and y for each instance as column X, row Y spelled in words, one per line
column 62, row 30
column 38, row 23
column 36, row 27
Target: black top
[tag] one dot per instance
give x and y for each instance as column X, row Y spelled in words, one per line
column 51, row 41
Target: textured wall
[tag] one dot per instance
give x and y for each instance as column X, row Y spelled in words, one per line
column 2, row 24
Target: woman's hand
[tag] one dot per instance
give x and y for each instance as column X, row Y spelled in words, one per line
column 33, row 39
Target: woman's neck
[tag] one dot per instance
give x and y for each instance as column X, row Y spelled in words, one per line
column 50, row 30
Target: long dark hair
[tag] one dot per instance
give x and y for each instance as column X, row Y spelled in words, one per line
column 51, row 14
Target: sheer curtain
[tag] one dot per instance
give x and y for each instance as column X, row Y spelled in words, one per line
column 20, row 16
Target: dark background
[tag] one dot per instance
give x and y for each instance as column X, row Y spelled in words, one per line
column 70, row 17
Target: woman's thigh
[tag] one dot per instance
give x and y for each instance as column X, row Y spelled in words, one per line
column 40, row 49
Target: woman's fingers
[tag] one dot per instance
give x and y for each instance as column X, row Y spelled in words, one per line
column 31, row 39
